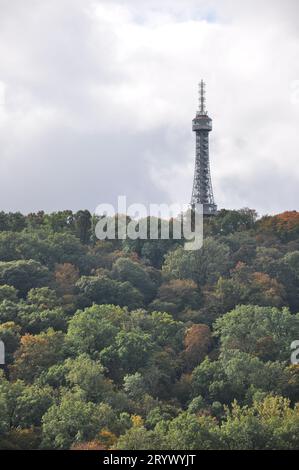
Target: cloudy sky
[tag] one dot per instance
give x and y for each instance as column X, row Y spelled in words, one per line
column 97, row 98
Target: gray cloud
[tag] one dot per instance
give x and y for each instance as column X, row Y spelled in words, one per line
column 96, row 100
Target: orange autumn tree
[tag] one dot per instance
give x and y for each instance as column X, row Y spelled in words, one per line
column 104, row 441
column 285, row 225
column 198, row 341
column 36, row 353
column 66, row 276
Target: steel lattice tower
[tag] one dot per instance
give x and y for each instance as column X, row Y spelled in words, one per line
column 202, row 192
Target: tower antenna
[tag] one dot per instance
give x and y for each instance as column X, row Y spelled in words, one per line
column 202, row 98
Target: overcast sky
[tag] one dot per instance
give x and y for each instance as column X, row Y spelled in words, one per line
column 97, row 99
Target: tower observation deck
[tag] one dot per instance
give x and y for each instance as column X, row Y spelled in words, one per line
column 202, row 192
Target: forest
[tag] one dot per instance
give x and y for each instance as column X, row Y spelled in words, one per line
column 140, row 344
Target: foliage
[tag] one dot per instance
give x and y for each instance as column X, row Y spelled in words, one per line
column 203, row 266
column 266, row 332
column 74, row 420
column 23, row 275
column 140, row 344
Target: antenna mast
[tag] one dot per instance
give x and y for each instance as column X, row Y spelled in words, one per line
column 202, row 98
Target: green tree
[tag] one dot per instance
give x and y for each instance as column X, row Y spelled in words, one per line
column 125, row 269
column 38, row 320
column 231, row 221
column 8, row 293
column 31, row 405
column 74, row 420
column 130, row 351
column 103, row 290
column 263, row 331
column 24, row 275
column 203, row 266
column 134, row 386
column 83, row 225
column 92, row 330
column 191, row 432
column 269, row 424
column 88, row 376
column 139, row 438
column 4, row 409
column 238, row 375
column 166, row 332
column 44, row 298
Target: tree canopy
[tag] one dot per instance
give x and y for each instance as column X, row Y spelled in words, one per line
column 141, row 344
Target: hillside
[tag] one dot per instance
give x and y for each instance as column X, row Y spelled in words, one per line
column 144, row 345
